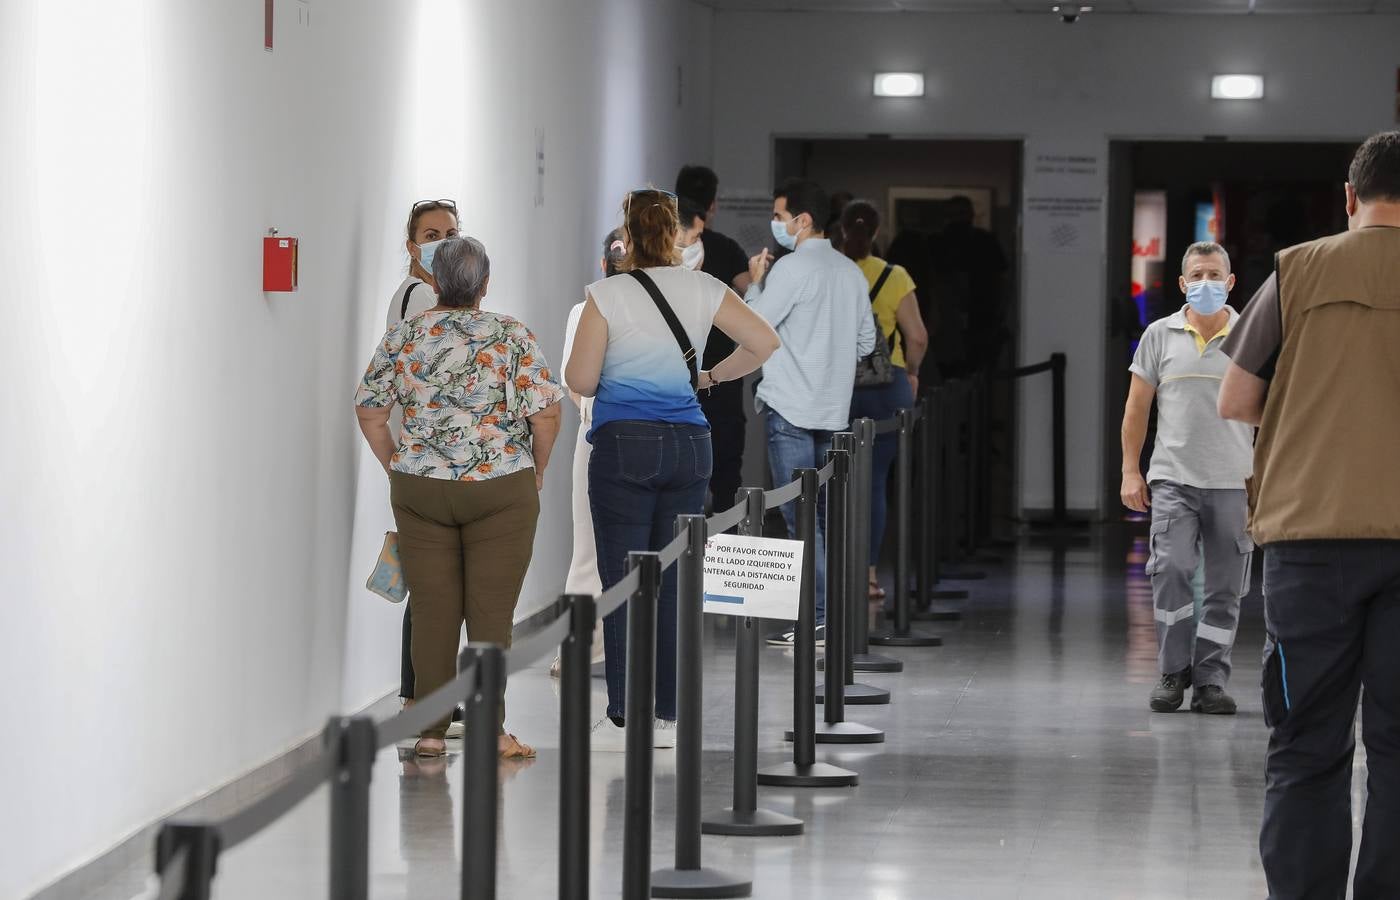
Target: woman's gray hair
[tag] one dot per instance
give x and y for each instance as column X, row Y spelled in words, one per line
column 460, row 268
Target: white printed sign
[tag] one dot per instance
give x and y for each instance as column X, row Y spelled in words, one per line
column 751, row 576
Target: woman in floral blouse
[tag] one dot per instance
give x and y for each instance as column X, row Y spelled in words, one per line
column 480, row 416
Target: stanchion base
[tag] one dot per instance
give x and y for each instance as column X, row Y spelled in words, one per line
column 934, row 614
column 845, row 733
column 912, row 639
column 755, row 823
column 858, row 695
column 874, row 662
column 790, row 774
column 698, row 883
column 955, row 574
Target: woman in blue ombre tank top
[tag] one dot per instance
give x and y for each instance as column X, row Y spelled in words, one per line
column 651, row 457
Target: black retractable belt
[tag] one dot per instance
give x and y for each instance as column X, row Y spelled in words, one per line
column 669, row 314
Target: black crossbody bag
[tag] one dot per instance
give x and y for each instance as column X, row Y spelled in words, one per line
column 667, row 313
column 877, row 370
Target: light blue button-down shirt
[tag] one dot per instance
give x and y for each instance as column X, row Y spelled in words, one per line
column 819, row 303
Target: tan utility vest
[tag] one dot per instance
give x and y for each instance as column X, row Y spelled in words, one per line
column 1327, row 459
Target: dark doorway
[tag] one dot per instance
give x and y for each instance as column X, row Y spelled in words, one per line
column 968, row 281
column 1253, row 198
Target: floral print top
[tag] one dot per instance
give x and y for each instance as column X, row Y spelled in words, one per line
column 467, row 380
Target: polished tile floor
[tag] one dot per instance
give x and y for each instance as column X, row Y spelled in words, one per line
column 1021, row 762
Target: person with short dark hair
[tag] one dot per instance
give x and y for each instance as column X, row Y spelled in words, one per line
column 1314, row 365
column 1194, row 488
column 723, row 259
column 480, row 416
column 634, row 353
column 818, row 301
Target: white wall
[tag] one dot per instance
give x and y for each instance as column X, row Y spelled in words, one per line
column 1061, row 88
column 187, row 511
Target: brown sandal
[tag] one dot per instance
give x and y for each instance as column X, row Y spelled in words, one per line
column 430, row 752
column 517, row 750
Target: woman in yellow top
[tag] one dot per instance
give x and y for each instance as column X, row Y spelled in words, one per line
column 897, row 316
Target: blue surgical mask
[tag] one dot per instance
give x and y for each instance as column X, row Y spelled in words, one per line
column 1207, row 297
column 425, row 255
column 780, row 234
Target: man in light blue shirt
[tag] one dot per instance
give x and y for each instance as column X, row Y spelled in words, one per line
column 818, row 302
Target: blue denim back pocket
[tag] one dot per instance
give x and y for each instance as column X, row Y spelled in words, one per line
column 639, row 457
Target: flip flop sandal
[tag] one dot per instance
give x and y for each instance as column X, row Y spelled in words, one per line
column 517, row 750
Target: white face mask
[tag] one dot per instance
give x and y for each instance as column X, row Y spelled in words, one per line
column 693, row 256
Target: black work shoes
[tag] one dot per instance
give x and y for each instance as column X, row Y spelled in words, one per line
column 1170, row 691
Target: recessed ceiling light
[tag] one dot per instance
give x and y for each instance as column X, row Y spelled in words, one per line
column 1237, row 87
column 899, row 84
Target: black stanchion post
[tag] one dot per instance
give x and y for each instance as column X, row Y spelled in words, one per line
column 744, row 817
column 958, row 493
column 835, row 729
column 481, row 788
column 1058, row 362
column 903, row 635
column 804, row 770
column 641, row 711
column 862, row 660
column 923, row 568
column 574, row 689
column 200, row 842
column 689, row 878
column 353, row 742
column 932, row 513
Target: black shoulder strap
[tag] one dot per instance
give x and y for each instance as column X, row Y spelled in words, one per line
column 687, row 349
column 880, row 282
column 403, row 310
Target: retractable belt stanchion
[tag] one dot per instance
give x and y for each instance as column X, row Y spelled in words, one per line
column 804, row 770
column 835, row 729
column 862, row 660
column 902, row 634
column 574, row 690
column 353, row 740
column 480, row 771
column 744, row 817
column 958, row 492
column 930, row 444
column 640, row 714
column 197, row 844
column 688, row 878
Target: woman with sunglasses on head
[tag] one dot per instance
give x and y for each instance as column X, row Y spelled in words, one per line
column 430, row 222
column 636, row 353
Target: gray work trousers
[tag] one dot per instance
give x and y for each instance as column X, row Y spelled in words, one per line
column 1188, row 523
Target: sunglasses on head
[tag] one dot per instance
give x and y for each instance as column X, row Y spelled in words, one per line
column 436, row 204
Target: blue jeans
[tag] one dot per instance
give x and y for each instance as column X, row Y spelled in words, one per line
column 641, row 476
column 881, row 403
column 791, row 448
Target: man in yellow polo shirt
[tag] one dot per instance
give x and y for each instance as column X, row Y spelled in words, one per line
column 1195, row 486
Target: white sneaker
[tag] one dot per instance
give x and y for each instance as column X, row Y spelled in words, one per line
column 456, row 730
column 664, row 734
column 608, row 737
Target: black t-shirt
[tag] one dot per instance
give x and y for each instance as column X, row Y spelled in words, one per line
column 725, row 260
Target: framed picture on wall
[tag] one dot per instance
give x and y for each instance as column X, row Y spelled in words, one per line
column 926, row 208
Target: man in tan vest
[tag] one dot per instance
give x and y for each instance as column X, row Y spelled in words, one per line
column 1315, row 362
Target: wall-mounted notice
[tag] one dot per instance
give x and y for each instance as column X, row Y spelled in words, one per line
column 1064, row 202
column 744, row 216
column 751, row 576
